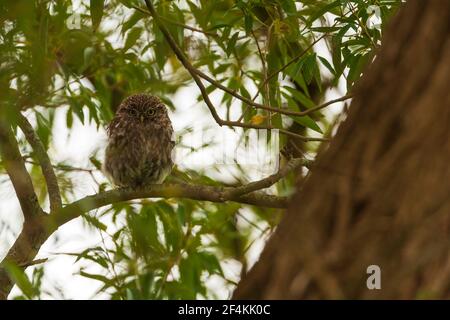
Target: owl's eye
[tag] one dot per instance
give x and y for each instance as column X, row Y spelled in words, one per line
column 150, row 112
column 132, row 111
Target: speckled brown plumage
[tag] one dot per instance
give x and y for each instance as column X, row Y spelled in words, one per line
column 139, row 142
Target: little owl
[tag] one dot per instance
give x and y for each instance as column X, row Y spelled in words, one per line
column 139, row 150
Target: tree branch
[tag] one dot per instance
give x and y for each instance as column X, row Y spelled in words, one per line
column 196, row 74
column 269, row 127
column 250, row 102
column 36, row 231
column 33, row 263
column 15, row 167
column 192, row 70
column 243, row 194
column 184, row 26
column 44, row 162
column 267, row 182
column 33, row 232
column 180, row 55
column 178, row 190
column 294, row 59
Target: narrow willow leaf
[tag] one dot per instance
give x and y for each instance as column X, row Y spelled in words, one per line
column 132, row 37
column 327, row 65
column 232, row 43
column 20, row 279
column 96, row 8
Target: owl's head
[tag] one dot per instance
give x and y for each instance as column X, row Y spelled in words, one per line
column 143, row 108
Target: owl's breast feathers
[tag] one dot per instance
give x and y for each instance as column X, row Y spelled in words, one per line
column 139, row 153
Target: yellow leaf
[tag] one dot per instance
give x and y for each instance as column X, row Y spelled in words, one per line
column 257, row 119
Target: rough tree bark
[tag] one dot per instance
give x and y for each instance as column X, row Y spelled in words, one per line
column 380, row 193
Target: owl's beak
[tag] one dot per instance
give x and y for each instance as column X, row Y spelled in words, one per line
column 142, row 118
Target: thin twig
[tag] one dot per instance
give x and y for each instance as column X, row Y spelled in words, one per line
column 185, row 26
column 269, row 181
column 249, row 101
column 275, row 73
column 32, row 263
column 362, row 25
column 196, row 74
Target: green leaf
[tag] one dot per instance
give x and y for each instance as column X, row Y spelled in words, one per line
column 69, row 118
column 300, row 97
column 288, row 7
column 356, row 65
column 97, row 277
column 127, row 3
column 20, row 279
column 325, row 29
column 77, row 108
column 295, row 72
column 88, row 55
column 132, row 37
column 309, row 68
column 232, row 43
column 44, row 128
column 248, row 23
column 96, row 8
column 221, row 68
column 97, row 164
column 324, row 9
column 95, row 254
column 190, row 272
column 173, row 232
column 327, row 65
column 306, row 121
column 95, row 222
column 336, row 54
column 135, row 17
column 210, row 263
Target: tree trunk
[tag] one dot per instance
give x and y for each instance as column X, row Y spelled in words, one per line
column 380, row 192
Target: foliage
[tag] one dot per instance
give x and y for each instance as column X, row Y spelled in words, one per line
column 85, row 57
